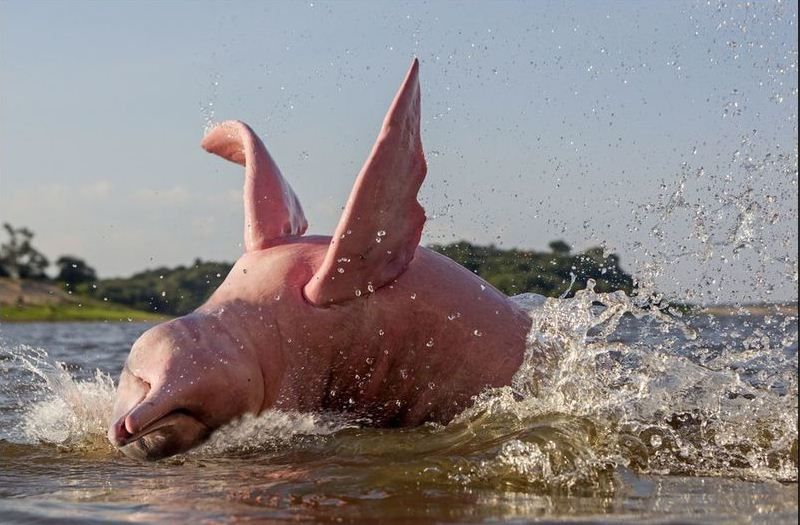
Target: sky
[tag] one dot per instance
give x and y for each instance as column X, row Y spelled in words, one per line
column 663, row 131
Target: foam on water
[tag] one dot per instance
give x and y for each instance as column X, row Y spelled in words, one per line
column 271, row 430
column 65, row 411
column 667, row 404
column 666, row 399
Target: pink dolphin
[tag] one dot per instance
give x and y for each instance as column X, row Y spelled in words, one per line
column 366, row 322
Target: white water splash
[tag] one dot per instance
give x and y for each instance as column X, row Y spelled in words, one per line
column 666, row 400
column 656, row 407
column 68, row 412
column 270, row 430
column 76, row 414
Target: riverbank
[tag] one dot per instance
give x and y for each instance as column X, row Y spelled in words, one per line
column 33, row 301
column 74, row 312
column 750, row 309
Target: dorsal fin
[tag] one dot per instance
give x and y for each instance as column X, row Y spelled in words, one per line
column 271, row 209
column 380, row 228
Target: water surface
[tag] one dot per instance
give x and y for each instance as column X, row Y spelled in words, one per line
column 656, row 418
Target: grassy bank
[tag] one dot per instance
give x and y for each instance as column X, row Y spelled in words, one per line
column 83, row 311
column 40, row 301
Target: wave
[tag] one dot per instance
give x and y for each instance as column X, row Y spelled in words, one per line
column 607, row 383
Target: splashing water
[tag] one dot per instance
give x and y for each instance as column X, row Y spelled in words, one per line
column 65, row 412
column 677, row 403
column 270, row 431
column 598, row 391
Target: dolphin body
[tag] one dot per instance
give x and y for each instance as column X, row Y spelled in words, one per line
column 365, row 322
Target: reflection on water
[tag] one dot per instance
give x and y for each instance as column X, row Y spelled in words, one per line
column 635, row 416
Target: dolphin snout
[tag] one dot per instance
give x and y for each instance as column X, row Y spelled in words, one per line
column 118, row 433
column 148, row 424
column 130, row 394
column 173, row 434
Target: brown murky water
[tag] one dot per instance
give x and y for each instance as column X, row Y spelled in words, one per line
column 641, row 421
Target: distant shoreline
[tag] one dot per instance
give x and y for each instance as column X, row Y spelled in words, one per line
column 74, row 313
column 750, row 309
column 32, row 301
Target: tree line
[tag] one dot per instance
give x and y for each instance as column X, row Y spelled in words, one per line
column 20, row 260
column 514, row 271
column 179, row 290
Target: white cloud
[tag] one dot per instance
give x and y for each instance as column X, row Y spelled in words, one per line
column 225, row 198
column 96, row 190
column 42, row 196
column 174, row 196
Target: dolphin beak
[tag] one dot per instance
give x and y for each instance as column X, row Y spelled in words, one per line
column 118, row 434
column 130, row 394
column 139, row 429
column 174, row 433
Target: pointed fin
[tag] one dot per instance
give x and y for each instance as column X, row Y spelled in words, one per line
column 271, row 209
column 380, row 228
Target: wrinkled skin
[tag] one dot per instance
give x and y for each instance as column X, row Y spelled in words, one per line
column 363, row 322
column 411, row 352
column 166, row 402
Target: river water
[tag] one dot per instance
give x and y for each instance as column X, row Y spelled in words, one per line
column 647, row 417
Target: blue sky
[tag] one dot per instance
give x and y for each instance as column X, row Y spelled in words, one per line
column 587, row 121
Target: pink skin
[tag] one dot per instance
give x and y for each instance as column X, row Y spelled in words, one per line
column 401, row 335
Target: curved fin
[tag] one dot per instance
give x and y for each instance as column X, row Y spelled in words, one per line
column 271, row 209
column 380, row 228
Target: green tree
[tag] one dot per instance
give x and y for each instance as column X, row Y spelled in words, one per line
column 517, row 271
column 18, row 258
column 560, row 247
column 180, row 290
column 72, row 270
column 174, row 291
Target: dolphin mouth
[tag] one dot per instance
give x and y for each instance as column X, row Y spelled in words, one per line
column 166, row 421
column 172, row 434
